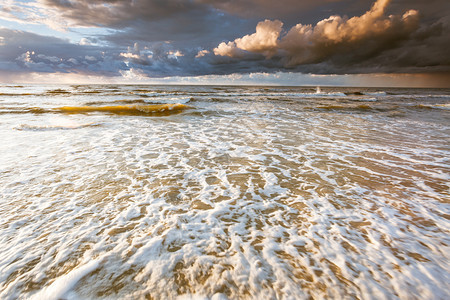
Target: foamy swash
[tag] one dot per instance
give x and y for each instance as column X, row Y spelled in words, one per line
column 165, row 192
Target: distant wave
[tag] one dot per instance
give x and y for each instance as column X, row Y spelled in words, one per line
column 357, row 108
column 315, row 95
column 364, row 99
column 354, row 93
column 374, row 93
column 345, row 107
column 426, row 106
column 420, row 96
column 58, row 92
column 367, row 107
column 121, row 101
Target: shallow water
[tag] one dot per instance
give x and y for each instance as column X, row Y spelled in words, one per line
column 245, row 192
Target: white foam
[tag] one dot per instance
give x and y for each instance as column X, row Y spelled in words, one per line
column 380, row 93
column 170, row 100
column 65, row 283
column 316, row 95
column 443, row 106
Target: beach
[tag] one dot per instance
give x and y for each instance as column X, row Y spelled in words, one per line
column 224, row 192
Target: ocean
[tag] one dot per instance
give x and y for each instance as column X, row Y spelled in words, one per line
column 224, row 192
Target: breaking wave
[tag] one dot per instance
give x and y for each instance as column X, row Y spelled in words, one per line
column 149, row 109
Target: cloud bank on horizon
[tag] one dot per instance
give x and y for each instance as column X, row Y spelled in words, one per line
column 220, row 37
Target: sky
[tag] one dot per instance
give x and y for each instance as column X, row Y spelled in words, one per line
column 282, row 42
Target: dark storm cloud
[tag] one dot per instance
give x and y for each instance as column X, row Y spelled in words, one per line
column 186, row 38
column 116, row 13
column 372, row 42
column 184, row 23
column 121, row 14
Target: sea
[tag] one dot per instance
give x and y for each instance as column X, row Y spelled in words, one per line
column 224, row 192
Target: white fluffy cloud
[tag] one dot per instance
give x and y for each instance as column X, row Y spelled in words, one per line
column 264, row 41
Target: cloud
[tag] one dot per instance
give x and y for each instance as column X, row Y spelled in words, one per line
column 90, row 58
column 28, row 52
column 267, row 8
column 178, row 21
column 85, row 42
column 175, row 54
column 202, row 53
column 264, row 41
column 134, row 74
column 365, row 35
column 228, row 49
column 73, row 61
column 216, row 37
column 115, row 13
column 53, row 59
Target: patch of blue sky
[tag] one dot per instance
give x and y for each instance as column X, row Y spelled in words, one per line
column 93, row 34
column 25, row 15
column 33, row 28
column 73, row 35
column 40, row 29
